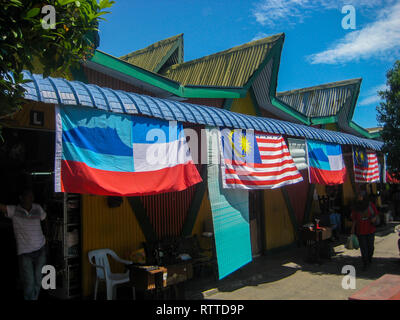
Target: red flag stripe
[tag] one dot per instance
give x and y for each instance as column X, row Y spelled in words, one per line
column 279, row 148
column 285, row 154
column 261, row 183
column 263, row 174
column 266, row 140
column 260, row 165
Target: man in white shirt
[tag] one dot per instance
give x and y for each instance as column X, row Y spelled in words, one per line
column 26, row 219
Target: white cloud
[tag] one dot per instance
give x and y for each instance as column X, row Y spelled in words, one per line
column 372, row 96
column 369, row 100
column 377, row 39
column 271, row 12
column 278, row 12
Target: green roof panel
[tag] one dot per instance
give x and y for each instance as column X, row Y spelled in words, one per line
column 230, row 68
column 158, row 55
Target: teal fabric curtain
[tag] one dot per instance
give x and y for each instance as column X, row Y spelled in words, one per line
column 230, row 213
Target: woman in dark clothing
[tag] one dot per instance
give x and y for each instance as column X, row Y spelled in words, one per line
column 364, row 218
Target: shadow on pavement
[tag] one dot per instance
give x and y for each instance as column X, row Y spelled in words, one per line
column 271, row 268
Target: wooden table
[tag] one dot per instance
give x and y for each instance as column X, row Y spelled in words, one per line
column 314, row 240
column 147, row 277
column 180, row 272
column 323, row 233
column 160, row 278
column 386, row 287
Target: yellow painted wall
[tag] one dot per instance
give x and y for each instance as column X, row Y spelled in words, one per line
column 331, row 126
column 103, row 227
column 321, row 190
column 21, row 118
column 244, row 105
column 278, row 226
column 204, row 217
column 348, row 191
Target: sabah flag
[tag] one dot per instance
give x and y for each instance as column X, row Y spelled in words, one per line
column 105, row 153
column 325, row 163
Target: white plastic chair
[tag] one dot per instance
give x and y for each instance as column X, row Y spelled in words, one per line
column 103, row 271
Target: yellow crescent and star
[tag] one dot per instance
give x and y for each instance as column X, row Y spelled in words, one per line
column 360, row 156
column 244, row 144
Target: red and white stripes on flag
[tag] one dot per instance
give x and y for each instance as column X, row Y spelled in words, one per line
column 272, row 165
column 369, row 172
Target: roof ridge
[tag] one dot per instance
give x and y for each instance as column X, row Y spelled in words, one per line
column 135, row 66
column 152, row 46
column 328, row 85
column 247, row 45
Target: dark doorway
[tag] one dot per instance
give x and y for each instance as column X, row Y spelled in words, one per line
column 256, row 218
column 23, row 154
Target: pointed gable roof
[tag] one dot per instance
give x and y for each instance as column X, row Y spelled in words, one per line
column 328, row 103
column 158, row 55
column 230, row 68
column 323, row 100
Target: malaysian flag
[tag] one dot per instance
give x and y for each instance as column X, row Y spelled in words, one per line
column 366, row 166
column 256, row 161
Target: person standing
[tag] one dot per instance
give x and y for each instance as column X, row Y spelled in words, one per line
column 363, row 219
column 31, row 244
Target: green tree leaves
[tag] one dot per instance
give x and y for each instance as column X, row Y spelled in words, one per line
column 25, row 42
column 389, row 117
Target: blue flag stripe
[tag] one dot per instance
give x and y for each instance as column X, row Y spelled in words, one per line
column 150, row 130
column 97, row 160
column 98, row 140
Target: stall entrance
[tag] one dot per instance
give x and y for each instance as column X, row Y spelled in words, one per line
column 256, row 218
column 26, row 161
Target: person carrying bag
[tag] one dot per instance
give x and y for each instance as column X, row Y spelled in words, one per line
column 352, row 242
column 364, row 219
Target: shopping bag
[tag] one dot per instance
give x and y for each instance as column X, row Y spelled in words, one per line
column 354, row 239
column 352, row 242
column 349, row 243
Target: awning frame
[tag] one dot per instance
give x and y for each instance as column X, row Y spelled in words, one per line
column 75, row 93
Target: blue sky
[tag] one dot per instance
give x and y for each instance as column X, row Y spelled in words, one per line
column 317, row 49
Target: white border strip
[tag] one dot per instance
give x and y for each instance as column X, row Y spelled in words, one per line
column 58, row 152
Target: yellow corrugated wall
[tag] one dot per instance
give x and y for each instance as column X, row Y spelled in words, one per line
column 204, row 216
column 104, row 227
column 244, row 105
column 331, row 126
column 278, row 226
column 348, row 191
column 22, row 118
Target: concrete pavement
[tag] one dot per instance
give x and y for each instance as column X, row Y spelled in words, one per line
column 286, row 276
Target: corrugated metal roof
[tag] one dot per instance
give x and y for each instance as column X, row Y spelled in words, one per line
column 229, row 68
column 322, row 101
column 75, row 93
column 168, row 51
column 261, row 86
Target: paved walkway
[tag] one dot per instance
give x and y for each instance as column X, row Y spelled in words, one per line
column 286, row 276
